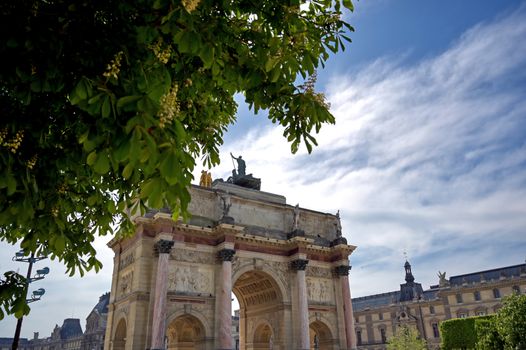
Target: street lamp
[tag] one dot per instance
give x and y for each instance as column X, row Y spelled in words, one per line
column 37, row 294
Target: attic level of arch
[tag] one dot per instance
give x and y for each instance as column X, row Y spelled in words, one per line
column 189, row 234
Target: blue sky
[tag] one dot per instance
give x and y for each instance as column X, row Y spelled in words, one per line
column 428, row 154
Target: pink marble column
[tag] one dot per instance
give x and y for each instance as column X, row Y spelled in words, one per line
column 163, row 247
column 225, row 300
column 303, row 307
column 343, row 272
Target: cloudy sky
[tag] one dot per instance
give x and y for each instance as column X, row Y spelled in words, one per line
column 427, row 157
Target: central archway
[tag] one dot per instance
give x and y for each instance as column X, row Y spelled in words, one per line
column 261, row 311
column 185, row 333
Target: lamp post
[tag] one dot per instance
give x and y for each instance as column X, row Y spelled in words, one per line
column 37, row 294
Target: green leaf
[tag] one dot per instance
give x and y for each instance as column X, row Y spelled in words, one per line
column 348, row 5
column 207, row 55
column 102, row 165
column 126, row 100
column 59, row 244
column 92, row 157
column 169, row 166
column 271, row 62
column 106, row 107
column 128, row 170
column 11, row 184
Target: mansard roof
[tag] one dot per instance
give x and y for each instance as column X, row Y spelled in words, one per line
column 102, row 306
column 488, row 275
column 70, row 328
column 375, row 300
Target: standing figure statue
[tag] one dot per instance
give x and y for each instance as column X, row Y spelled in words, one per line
column 338, row 225
column 206, row 179
column 241, row 166
column 226, row 204
column 296, row 217
column 202, row 180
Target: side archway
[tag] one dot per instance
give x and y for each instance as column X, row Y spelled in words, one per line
column 185, row 332
column 119, row 338
column 320, row 336
column 263, row 337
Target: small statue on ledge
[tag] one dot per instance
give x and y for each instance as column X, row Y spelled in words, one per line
column 296, row 218
column 338, row 225
column 206, row 179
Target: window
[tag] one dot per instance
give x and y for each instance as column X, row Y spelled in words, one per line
column 496, row 293
column 459, row 298
column 462, row 315
column 382, row 334
column 356, row 319
column 476, row 295
column 431, row 309
column 359, row 337
column 380, row 316
column 436, row 334
column 516, row 290
column 481, row 313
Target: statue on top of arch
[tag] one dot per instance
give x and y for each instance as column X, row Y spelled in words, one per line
column 240, row 177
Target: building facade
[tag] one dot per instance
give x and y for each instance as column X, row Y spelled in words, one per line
column 70, row 336
column 288, row 267
column 377, row 317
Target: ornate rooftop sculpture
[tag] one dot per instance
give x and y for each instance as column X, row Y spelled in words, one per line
column 239, row 176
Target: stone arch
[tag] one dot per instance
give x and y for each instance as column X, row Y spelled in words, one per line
column 321, row 337
column 191, row 312
column 263, row 336
column 260, row 296
column 185, row 332
column 119, row 335
column 266, row 269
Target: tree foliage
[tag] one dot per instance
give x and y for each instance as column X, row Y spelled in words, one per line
column 487, row 336
column 511, row 322
column 106, row 105
column 406, row 338
column 458, row 333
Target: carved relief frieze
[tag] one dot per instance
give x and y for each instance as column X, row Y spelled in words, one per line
column 190, row 279
column 186, row 255
column 320, row 289
column 316, row 271
column 282, row 271
column 126, row 283
column 126, row 260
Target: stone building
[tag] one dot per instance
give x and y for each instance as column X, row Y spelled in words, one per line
column 70, row 335
column 288, row 267
column 479, row 293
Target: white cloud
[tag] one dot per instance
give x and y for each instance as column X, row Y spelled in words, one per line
column 425, row 158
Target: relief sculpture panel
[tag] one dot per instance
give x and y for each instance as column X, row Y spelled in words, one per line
column 191, row 279
column 320, row 290
column 315, row 271
column 192, row 256
column 126, row 283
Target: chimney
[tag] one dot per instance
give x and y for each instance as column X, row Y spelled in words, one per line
column 35, row 335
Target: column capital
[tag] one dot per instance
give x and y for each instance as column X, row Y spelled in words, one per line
column 299, row 264
column 163, row 246
column 342, row 270
column 226, row 254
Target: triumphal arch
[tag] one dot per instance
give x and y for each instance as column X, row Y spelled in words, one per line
column 288, row 267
